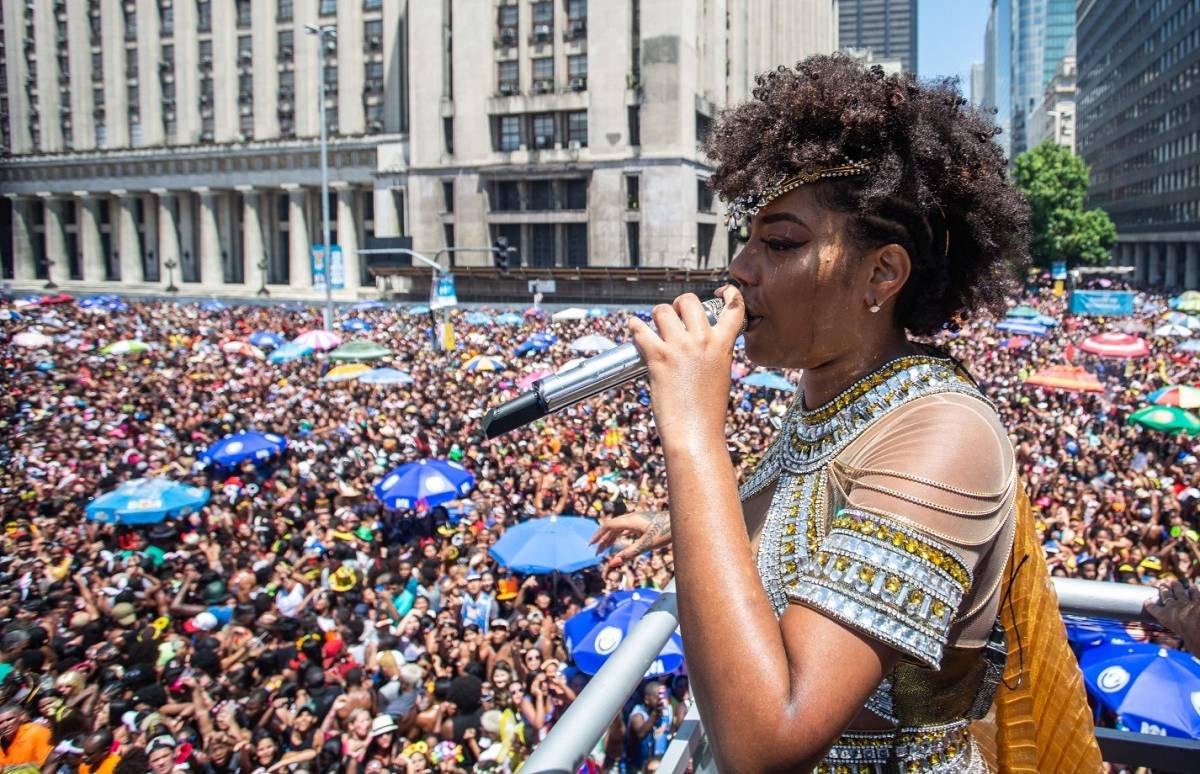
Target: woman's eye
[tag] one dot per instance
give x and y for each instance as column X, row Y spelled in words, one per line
column 780, row 244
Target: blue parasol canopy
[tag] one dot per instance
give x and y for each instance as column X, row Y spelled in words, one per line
column 385, row 376
column 549, row 544
column 290, row 351
column 1152, row 690
column 430, row 481
column 146, row 501
column 235, row 449
column 769, row 380
column 593, row 634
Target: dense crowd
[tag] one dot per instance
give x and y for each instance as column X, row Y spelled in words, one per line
column 295, row 624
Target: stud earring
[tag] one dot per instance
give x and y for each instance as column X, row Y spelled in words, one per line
column 874, row 308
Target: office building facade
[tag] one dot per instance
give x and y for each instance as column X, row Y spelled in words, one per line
column 155, row 140
column 1041, row 32
column 1138, row 106
column 888, row 28
column 997, row 69
column 1055, row 117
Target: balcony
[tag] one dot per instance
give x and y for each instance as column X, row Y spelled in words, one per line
column 585, row 721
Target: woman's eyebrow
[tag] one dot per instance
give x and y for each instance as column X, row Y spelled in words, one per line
column 775, row 217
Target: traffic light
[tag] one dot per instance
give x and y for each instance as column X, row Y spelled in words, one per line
column 504, row 253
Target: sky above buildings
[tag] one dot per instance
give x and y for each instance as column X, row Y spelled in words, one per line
column 950, row 38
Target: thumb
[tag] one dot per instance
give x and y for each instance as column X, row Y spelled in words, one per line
column 733, row 316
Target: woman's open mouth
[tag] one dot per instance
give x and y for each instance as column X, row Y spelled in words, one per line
column 752, row 322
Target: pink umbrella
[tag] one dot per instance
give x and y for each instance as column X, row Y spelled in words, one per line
column 1121, row 345
column 526, row 381
column 319, row 340
column 243, row 348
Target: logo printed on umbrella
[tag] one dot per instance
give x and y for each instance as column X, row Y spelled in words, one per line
column 608, row 639
column 390, row 481
column 1196, row 701
column 234, row 447
column 436, row 484
column 1113, row 679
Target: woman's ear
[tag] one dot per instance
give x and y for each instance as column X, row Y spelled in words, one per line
column 890, row 269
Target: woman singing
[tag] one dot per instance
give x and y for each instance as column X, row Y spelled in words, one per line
column 843, row 611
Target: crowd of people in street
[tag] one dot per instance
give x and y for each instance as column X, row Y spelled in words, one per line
column 295, row 623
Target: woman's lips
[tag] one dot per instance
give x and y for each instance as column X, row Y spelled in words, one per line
column 752, row 322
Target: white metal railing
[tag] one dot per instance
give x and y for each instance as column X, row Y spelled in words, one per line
column 585, row 721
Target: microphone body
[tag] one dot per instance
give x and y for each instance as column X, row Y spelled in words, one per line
column 591, row 377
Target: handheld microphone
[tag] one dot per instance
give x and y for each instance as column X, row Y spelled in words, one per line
column 594, row 375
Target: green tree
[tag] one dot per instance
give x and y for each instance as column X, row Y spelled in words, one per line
column 1055, row 182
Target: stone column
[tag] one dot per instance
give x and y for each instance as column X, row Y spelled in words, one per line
column 22, row 239
column 168, row 236
column 1173, row 256
column 387, row 218
column 212, row 271
column 347, row 234
column 1191, row 277
column 1154, row 256
column 1142, row 256
column 299, row 258
column 91, row 249
column 129, row 243
column 252, row 237
column 59, row 270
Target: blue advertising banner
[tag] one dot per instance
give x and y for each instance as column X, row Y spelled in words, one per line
column 337, row 268
column 1106, row 303
column 1058, row 270
column 442, row 293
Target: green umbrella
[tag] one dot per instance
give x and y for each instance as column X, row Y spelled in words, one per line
column 125, row 347
column 1169, row 419
column 1024, row 311
column 359, row 350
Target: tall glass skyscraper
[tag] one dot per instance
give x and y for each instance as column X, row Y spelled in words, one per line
column 1041, row 30
column 887, row 27
column 997, row 69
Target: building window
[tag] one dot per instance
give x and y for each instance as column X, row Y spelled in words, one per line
column 448, row 135
column 705, row 232
column 577, row 71
column 509, row 78
column 576, row 244
column 575, row 194
column 506, row 196
column 631, row 192
column 283, row 10
column 130, row 23
column 577, row 128
column 633, row 243
column 543, row 12
column 509, row 138
column 543, row 131
column 328, row 7
column 284, row 45
column 507, row 25
column 541, row 237
column 541, row 195
column 448, row 195
column 635, row 126
column 543, row 75
column 166, row 17
column 372, row 5
column 243, row 13
column 204, row 15
column 576, row 19
column 704, row 196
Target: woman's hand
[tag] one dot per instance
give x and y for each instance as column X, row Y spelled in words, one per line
column 650, row 530
column 689, row 362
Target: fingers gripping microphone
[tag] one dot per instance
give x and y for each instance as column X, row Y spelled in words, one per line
column 594, row 375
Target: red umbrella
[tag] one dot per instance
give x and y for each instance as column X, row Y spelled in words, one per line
column 58, row 298
column 1115, row 345
column 1068, row 378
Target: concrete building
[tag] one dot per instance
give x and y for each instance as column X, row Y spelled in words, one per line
column 888, row 28
column 977, row 85
column 155, row 140
column 1041, row 31
column 1055, row 117
column 1139, row 130
column 997, row 69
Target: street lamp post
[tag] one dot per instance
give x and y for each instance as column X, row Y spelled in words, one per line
column 262, row 278
column 50, row 284
column 322, row 32
column 170, row 265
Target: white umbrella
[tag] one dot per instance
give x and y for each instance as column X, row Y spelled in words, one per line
column 593, row 342
column 572, row 313
column 1173, row 329
column 32, row 340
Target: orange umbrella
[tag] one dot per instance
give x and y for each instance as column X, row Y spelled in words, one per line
column 1069, row 378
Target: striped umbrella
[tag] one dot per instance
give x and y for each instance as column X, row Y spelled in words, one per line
column 1181, row 395
column 318, row 340
column 1066, row 378
column 1173, row 329
column 1118, row 345
column 484, row 363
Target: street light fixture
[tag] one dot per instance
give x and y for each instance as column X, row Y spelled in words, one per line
column 262, row 278
column 323, row 32
column 50, row 284
column 170, row 265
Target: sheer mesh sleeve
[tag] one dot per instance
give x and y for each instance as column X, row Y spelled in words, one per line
column 920, row 529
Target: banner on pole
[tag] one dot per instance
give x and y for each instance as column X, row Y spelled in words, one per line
column 336, row 267
column 442, row 293
column 1058, row 270
column 1106, row 303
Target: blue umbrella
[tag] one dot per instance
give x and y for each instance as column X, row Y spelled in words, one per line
column 266, row 339
column 1089, row 632
column 385, row 376
column 356, row 325
column 1045, row 319
column 10, row 315
column 234, row 449
column 478, row 318
column 363, row 306
column 1191, row 345
column 1150, row 689
column 214, row 306
column 770, row 380
column 509, row 318
column 538, row 342
column 550, row 544
column 597, row 311
column 644, row 315
column 432, row 481
column 418, row 309
column 290, row 351
column 146, row 501
column 1024, row 327
column 593, row 634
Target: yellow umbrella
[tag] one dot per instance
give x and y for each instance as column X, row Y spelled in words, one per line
column 345, row 373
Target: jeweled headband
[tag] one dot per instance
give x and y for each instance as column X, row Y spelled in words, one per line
column 739, row 211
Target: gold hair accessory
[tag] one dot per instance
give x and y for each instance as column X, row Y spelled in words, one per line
column 743, row 208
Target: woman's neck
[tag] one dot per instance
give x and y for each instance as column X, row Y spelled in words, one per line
column 824, row 382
